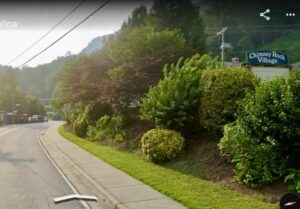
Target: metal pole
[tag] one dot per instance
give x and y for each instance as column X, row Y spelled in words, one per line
column 222, row 34
column 13, row 101
column 223, row 49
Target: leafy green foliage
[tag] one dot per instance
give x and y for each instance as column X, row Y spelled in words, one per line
column 264, row 139
column 138, row 57
column 11, row 94
column 81, row 126
column 274, row 111
column 257, row 163
column 293, row 178
column 284, row 44
column 234, row 141
column 82, row 79
column 172, row 103
column 73, row 113
column 182, row 15
column 260, row 165
column 145, row 43
column 221, row 92
column 108, row 128
column 159, row 145
column 95, row 110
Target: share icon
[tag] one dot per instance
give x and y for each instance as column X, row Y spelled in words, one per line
column 263, row 14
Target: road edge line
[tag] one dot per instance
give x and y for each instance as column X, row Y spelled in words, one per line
column 84, row 204
column 114, row 202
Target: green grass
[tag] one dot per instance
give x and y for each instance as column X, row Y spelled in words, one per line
column 288, row 44
column 191, row 191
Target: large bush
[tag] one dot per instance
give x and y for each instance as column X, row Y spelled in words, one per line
column 274, row 111
column 293, row 178
column 222, row 90
column 73, row 113
column 174, row 101
column 256, row 163
column 264, row 140
column 108, row 128
column 80, row 126
column 95, row 110
column 159, row 145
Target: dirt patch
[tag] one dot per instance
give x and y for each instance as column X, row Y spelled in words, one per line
column 203, row 160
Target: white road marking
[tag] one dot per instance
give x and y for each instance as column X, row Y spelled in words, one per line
column 75, row 196
column 85, row 205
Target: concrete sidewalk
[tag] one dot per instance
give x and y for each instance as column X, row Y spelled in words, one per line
column 92, row 176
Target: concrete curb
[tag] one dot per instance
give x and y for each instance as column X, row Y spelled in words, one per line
column 89, row 174
column 111, row 198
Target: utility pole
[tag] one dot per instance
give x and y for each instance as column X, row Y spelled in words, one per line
column 13, row 98
column 222, row 34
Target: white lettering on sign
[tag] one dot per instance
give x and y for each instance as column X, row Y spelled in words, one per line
column 279, row 56
column 267, row 57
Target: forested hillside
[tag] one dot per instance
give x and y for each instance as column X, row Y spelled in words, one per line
column 95, row 44
column 246, row 31
column 41, row 80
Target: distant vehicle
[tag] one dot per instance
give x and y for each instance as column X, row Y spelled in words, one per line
column 37, row 118
column 23, row 118
column 45, row 119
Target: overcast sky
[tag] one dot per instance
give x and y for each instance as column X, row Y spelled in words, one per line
column 29, row 21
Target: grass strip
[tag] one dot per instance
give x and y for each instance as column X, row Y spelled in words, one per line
column 193, row 192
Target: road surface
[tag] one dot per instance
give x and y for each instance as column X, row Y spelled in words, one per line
column 28, row 179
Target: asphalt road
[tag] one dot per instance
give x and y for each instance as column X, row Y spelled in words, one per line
column 28, row 180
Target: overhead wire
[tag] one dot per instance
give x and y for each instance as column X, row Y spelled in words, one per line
column 65, row 34
column 43, row 36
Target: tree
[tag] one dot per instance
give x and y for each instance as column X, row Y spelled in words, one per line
column 11, row 95
column 139, row 58
column 182, row 15
column 83, row 79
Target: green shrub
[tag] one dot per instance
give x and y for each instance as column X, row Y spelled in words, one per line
column 293, row 178
column 80, row 126
column 294, row 82
column 222, row 90
column 264, row 139
column 234, row 141
column 96, row 110
column 274, row 111
column 94, row 134
column 71, row 115
column 257, row 163
column 109, row 128
column 172, row 103
column 159, row 145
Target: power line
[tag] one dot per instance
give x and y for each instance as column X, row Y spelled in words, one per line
column 69, row 31
column 43, row 36
column 261, row 26
column 257, row 31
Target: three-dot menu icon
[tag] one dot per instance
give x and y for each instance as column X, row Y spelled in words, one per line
column 290, row 14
